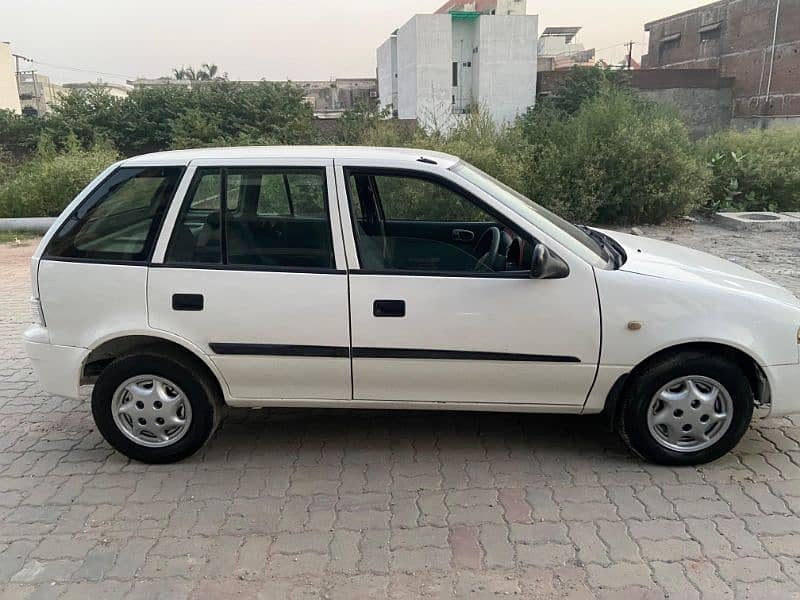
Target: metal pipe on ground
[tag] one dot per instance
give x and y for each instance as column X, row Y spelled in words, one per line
column 34, row 224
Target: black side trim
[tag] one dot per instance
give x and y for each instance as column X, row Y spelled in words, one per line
column 202, row 266
column 457, row 355
column 280, row 350
column 401, row 353
column 253, row 268
column 441, row 274
column 95, row 261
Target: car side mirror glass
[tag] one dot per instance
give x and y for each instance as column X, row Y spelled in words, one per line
column 545, row 265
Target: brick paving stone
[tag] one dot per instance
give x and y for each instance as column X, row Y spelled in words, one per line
column 749, row 570
column 547, row 554
column 466, row 549
column 516, row 507
column 620, row 575
column 703, row 574
column 345, row 504
column 671, row 576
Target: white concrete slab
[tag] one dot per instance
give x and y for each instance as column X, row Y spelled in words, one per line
column 758, row 221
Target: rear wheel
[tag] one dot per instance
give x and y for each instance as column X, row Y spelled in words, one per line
column 686, row 409
column 154, row 407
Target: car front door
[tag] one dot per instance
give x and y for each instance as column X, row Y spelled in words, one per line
column 433, row 321
column 251, row 270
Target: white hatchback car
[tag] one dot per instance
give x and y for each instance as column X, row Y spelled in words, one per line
column 389, row 278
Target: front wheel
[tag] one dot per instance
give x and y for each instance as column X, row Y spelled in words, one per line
column 154, row 408
column 686, row 409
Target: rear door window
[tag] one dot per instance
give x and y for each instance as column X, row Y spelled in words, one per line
column 260, row 217
column 120, row 219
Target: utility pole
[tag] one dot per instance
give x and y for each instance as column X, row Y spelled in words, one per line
column 17, row 58
column 630, row 54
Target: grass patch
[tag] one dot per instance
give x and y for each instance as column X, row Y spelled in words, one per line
column 16, row 237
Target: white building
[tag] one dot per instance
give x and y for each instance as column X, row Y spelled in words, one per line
column 387, row 74
column 445, row 64
column 9, row 94
column 37, row 94
column 559, row 50
column 115, row 90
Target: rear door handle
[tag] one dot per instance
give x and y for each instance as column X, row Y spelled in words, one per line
column 463, row 235
column 389, row 308
column 187, row 302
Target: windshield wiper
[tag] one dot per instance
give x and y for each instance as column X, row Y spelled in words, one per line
column 612, row 252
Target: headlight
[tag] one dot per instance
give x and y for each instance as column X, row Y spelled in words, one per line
column 36, row 312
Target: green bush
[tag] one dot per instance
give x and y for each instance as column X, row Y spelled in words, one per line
column 618, row 159
column 594, row 151
column 46, row 183
column 5, row 167
column 755, row 170
column 19, row 135
column 499, row 150
column 582, row 84
column 152, row 119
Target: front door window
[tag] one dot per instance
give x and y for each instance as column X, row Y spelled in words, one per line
column 414, row 223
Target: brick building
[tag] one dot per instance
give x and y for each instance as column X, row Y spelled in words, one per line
column 756, row 42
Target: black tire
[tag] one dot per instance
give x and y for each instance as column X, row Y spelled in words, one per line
column 197, row 385
column 640, row 390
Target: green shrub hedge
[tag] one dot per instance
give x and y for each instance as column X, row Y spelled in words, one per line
column 595, row 152
column 755, row 170
column 46, row 183
column 618, row 159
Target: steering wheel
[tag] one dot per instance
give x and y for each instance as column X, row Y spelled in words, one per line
column 488, row 256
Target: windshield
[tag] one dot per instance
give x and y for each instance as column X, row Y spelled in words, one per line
column 565, row 232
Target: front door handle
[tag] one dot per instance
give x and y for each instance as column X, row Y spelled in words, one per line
column 463, row 235
column 389, row 308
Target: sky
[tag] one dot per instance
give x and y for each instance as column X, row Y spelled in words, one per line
column 254, row 39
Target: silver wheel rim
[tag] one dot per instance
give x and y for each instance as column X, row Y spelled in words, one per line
column 151, row 411
column 690, row 413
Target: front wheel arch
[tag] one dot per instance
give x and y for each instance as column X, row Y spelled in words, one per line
column 750, row 367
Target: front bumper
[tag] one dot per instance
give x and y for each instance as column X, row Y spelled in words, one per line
column 58, row 367
column 784, row 385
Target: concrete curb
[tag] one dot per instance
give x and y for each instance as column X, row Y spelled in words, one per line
column 35, row 224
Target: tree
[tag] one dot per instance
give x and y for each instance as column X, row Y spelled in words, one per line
column 91, row 115
column 618, row 159
column 210, row 70
column 354, row 125
column 19, row 134
column 207, row 72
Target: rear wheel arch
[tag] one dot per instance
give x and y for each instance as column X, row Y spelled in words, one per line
column 127, row 345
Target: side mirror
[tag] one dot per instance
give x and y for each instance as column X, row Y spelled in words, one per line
column 546, row 266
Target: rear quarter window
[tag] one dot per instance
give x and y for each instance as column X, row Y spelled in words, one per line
column 120, row 219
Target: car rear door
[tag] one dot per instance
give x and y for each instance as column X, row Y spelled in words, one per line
column 251, row 270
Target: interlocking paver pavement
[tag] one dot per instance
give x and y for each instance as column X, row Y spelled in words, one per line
column 344, row 504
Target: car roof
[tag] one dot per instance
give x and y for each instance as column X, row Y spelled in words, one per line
column 184, row 157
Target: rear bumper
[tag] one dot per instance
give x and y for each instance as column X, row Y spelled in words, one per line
column 58, row 367
column 784, row 384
